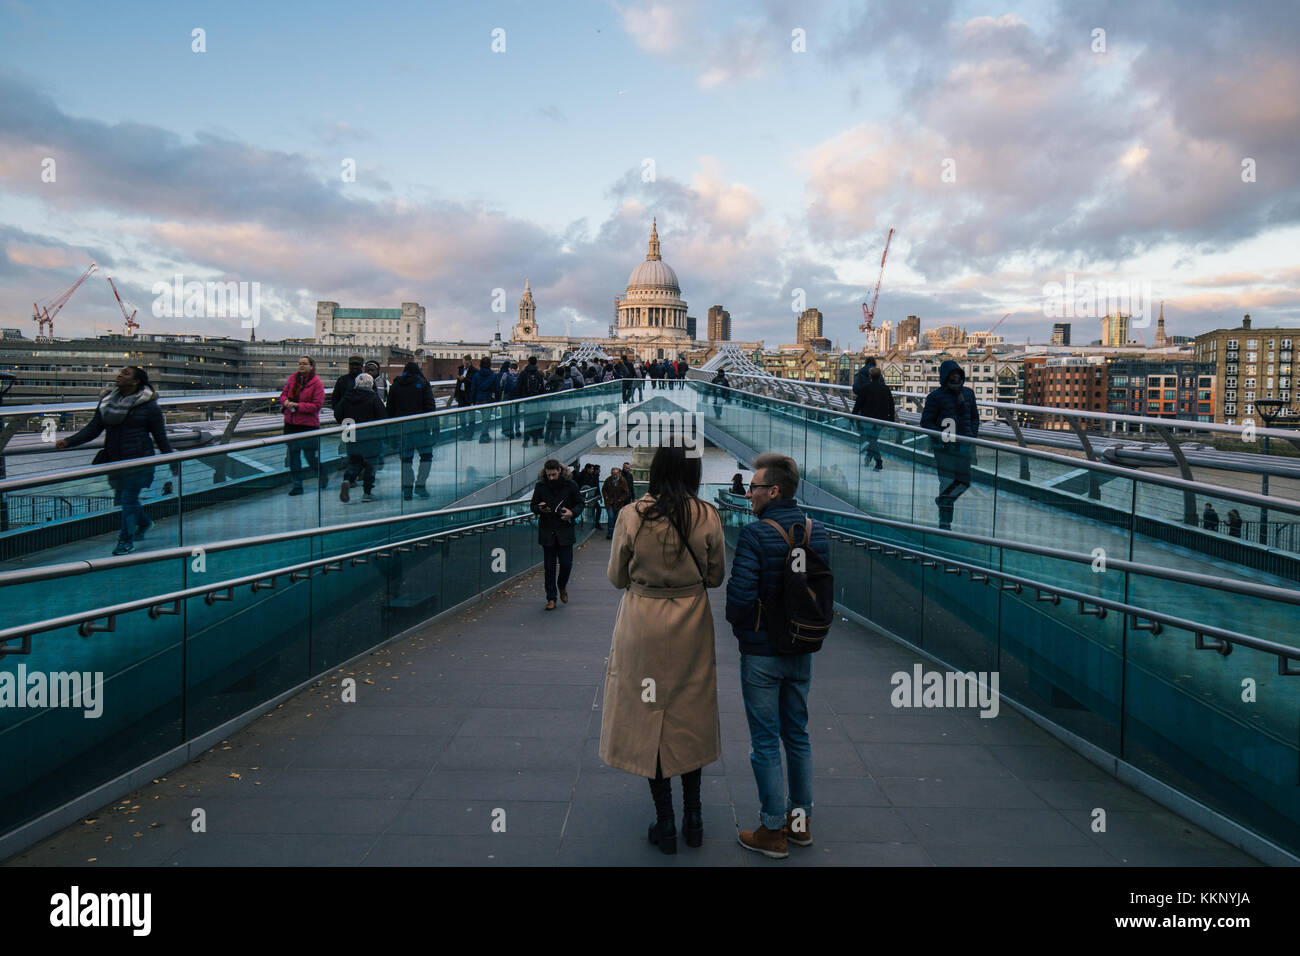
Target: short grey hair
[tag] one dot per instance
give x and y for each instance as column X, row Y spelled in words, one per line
column 364, row 381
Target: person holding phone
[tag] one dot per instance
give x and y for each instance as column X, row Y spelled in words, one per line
column 556, row 502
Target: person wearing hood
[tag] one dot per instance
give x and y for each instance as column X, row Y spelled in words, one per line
column 874, row 401
column 557, row 502
column 302, row 398
column 129, row 416
column 381, row 380
column 411, row 394
column 950, row 411
column 361, row 405
column 356, row 366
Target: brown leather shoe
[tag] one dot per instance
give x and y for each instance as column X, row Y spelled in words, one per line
column 550, row 605
column 564, row 595
column 770, row 843
column 801, row 837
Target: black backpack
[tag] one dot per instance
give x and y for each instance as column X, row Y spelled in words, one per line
column 799, row 617
column 531, row 382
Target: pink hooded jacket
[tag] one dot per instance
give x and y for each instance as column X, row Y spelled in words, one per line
column 310, row 400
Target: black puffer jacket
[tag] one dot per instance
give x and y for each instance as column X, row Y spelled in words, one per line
column 134, row 437
column 876, row 401
column 958, row 404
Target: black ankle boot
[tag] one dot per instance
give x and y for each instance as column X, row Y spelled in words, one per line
column 663, row 832
column 692, row 818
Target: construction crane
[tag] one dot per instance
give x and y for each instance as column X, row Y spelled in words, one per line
column 131, row 323
column 999, row 322
column 869, row 312
column 43, row 316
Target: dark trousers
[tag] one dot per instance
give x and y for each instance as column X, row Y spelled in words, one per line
column 126, row 492
column 563, row 555
column 363, row 467
column 953, row 462
column 870, row 442
column 295, row 450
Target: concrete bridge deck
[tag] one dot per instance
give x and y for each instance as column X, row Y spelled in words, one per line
column 499, row 707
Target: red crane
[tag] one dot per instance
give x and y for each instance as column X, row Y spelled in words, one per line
column 131, row 323
column 869, row 312
column 43, row 316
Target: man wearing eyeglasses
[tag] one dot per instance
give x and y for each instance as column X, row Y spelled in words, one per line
column 775, row 686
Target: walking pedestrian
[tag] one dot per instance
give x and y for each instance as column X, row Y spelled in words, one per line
column 532, row 383
column 774, row 685
column 132, row 423
column 660, row 712
column 412, row 394
column 615, row 495
column 1210, row 518
column 485, row 388
column 874, row 401
column 1234, row 523
column 361, row 405
column 952, row 402
column 302, row 398
column 556, row 502
column 372, row 369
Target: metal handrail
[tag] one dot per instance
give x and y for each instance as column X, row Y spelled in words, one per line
column 71, row 568
column 1285, row 434
column 1269, row 592
column 1088, row 603
column 212, row 591
column 90, row 471
column 169, row 401
column 1182, row 484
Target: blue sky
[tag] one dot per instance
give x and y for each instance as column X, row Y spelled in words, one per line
column 775, row 170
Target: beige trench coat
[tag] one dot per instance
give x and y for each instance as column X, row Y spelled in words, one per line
column 664, row 632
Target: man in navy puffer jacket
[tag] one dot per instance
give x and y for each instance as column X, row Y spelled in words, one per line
column 775, row 686
column 951, row 402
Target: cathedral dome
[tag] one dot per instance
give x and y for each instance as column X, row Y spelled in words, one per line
column 653, row 273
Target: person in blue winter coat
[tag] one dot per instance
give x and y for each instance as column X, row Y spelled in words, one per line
column 484, row 388
column 950, row 410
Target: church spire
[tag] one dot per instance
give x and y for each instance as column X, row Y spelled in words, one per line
column 654, row 240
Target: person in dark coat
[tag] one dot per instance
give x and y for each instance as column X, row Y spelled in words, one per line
column 361, row 405
column 1210, row 519
column 589, row 477
column 615, row 495
column 860, row 382
column 411, row 394
column 510, row 416
column 720, row 398
column 1234, row 523
column 555, row 382
column 532, row 383
column 629, row 481
column 950, row 411
column 556, row 502
column 129, row 416
column 465, row 372
column 485, row 388
column 876, row 402
column 356, row 365
column 737, row 485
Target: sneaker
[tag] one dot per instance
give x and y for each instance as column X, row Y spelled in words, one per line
column 879, row 465
column 140, row 533
column 421, row 491
column 295, row 491
column 803, row 837
column 367, row 497
column 407, row 494
column 124, row 547
column 770, row 843
column 343, row 491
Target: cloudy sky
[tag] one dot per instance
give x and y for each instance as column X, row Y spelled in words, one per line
column 1009, row 144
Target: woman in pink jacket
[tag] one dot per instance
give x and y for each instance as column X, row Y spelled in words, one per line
column 302, row 398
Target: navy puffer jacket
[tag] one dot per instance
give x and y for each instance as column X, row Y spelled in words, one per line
column 756, row 570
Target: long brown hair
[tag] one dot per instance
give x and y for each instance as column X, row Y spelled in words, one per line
column 674, row 486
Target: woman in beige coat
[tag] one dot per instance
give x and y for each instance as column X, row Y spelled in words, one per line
column 661, row 690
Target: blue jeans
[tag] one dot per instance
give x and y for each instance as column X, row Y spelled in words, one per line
column 131, row 483
column 611, row 516
column 776, row 704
